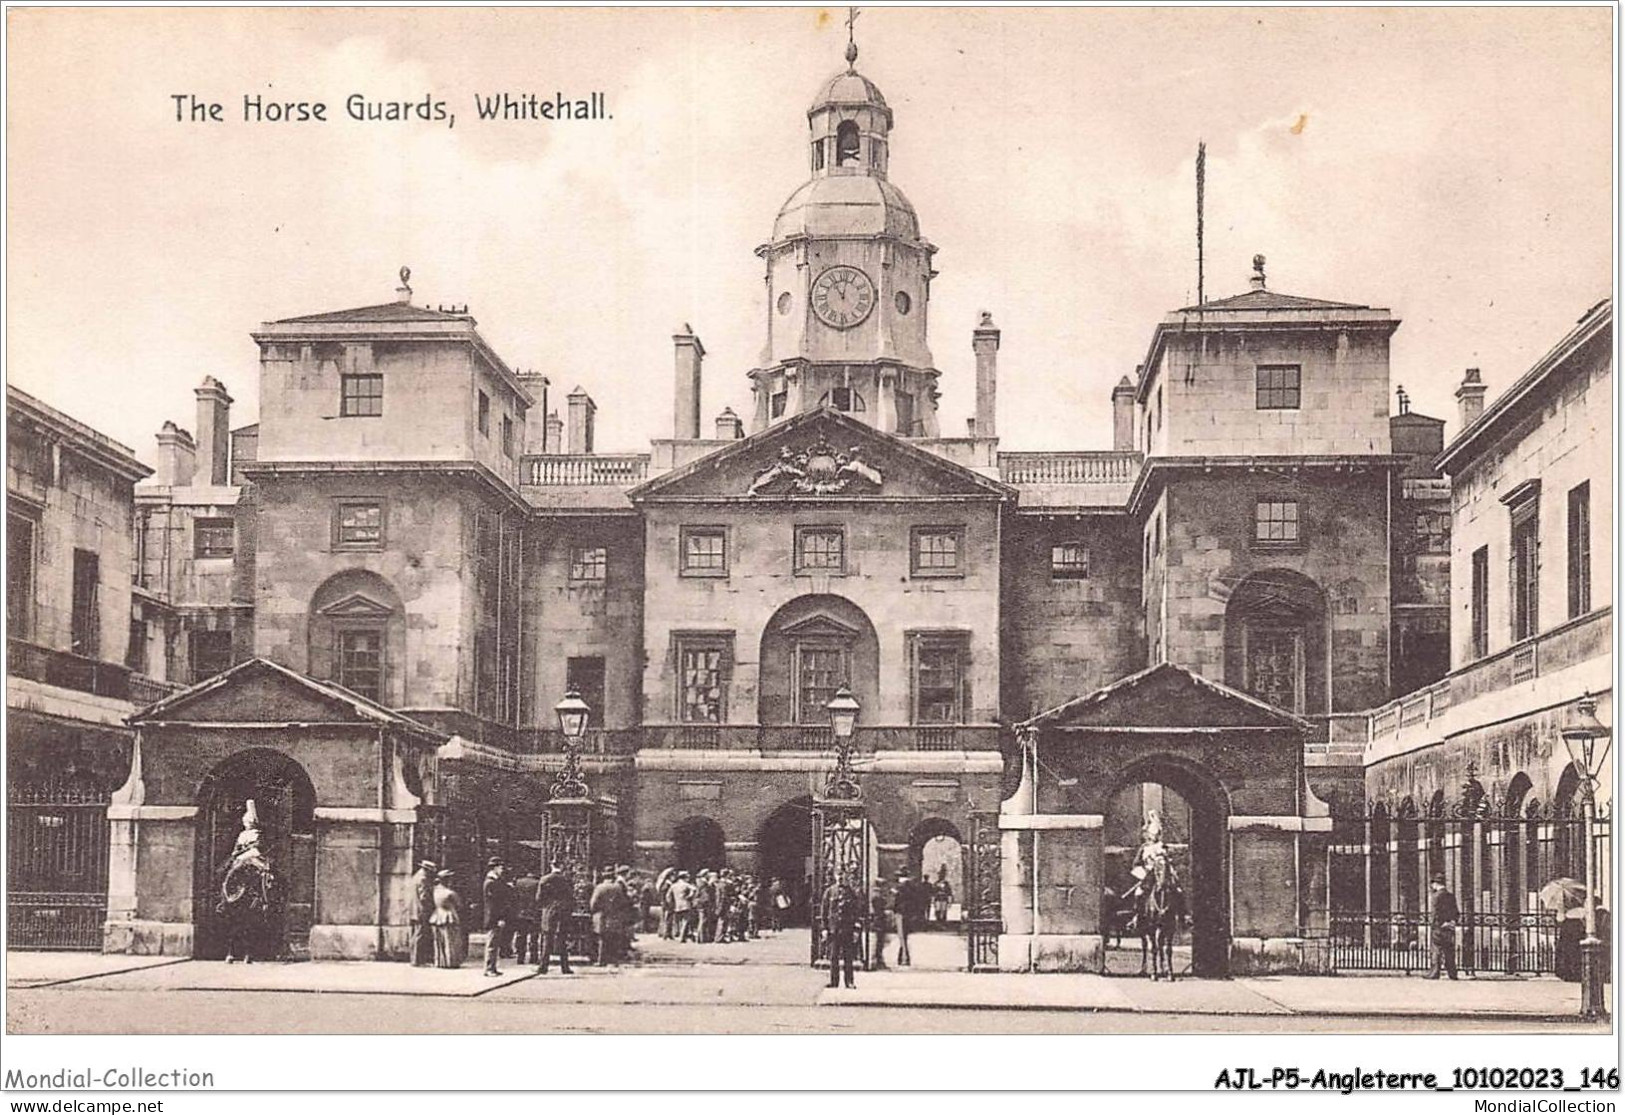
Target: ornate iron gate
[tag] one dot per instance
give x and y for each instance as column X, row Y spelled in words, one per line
column 840, row 851
column 56, row 864
column 983, row 920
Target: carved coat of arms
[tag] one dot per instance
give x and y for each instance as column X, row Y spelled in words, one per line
column 819, row 470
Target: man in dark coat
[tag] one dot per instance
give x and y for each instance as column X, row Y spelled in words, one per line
column 912, row 901
column 420, row 945
column 555, row 901
column 609, row 908
column 842, row 912
column 1445, row 914
column 525, row 944
column 497, row 898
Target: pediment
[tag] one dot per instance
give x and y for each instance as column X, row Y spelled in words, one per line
column 820, row 455
column 820, row 626
column 1167, row 696
column 357, row 605
column 259, row 691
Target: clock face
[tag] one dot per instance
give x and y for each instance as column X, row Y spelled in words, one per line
column 842, row 297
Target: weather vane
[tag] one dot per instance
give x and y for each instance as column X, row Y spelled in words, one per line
column 851, row 38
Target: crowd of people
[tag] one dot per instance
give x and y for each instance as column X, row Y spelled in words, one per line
column 717, row 906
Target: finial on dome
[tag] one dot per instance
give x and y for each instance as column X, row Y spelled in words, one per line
column 851, row 39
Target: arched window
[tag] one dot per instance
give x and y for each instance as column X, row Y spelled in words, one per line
column 843, row 399
column 846, row 143
column 356, row 634
column 1275, row 637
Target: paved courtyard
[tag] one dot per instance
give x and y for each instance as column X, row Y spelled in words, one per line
column 752, row 987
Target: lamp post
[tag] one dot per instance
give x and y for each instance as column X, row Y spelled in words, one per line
column 573, row 713
column 1587, row 739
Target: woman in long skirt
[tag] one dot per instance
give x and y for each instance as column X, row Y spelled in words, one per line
column 450, row 939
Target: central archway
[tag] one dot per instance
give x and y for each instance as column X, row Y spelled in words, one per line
column 1196, row 815
column 285, row 802
column 784, row 852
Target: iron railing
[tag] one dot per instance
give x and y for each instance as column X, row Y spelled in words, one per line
column 818, row 737
column 1512, row 943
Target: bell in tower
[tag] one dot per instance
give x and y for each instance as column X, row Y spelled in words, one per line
column 848, row 277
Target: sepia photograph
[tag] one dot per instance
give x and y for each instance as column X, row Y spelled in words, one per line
column 881, row 521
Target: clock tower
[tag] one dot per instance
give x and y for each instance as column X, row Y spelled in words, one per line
column 848, row 278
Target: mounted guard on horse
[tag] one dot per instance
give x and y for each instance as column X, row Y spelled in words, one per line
column 249, row 903
column 1157, row 901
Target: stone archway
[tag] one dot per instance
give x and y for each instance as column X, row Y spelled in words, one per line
column 936, row 852
column 285, row 802
column 1202, row 812
column 784, row 852
column 699, row 843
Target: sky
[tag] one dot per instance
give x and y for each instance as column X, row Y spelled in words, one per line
column 1451, row 164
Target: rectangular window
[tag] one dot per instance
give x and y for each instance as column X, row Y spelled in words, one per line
column 86, row 630
column 210, row 652
column 361, row 396
column 935, row 551
column 822, row 667
column 1279, row 386
column 1274, row 658
column 1481, row 602
column 358, row 525
column 1158, row 411
column 818, row 155
column 484, row 409
column 1580, row 550
column 586, row 677
column 1525, row 569
column 214, row 538
column 821, row 549
column 778, row 403
column 1276, row 521
column 704, row 663
column 507, row 436
column 1069, row 560
column 19, row 575
column 939, row 678
column 589, row 563
column 704, row 552
column 361, row 661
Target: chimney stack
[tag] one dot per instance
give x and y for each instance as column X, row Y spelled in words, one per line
column 1123, row 414
column 581, row 410
column 213, row 430
column 1470, row 397
column 985, row 343
column 729, row 427
column 535, row 385
column 686, row 411
column 553, row 434
column 177, row 457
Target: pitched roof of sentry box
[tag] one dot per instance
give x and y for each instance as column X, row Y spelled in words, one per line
column 760, row 443
column 329, row 692
column 384, row 313
column 1164, row 673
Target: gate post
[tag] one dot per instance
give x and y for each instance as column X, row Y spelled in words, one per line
column 983, row 918
column 840, row 834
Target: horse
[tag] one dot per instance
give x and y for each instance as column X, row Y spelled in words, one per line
column 1159, row 915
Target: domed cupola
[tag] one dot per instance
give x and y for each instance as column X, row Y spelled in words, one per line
column 848, row 276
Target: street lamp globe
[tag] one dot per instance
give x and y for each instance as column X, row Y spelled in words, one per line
column 1587, row 739
column 573, row 713
column 843, row 713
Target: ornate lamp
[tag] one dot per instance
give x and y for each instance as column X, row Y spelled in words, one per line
column 1587, row 740
column 843, row 711
column 573, row 713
